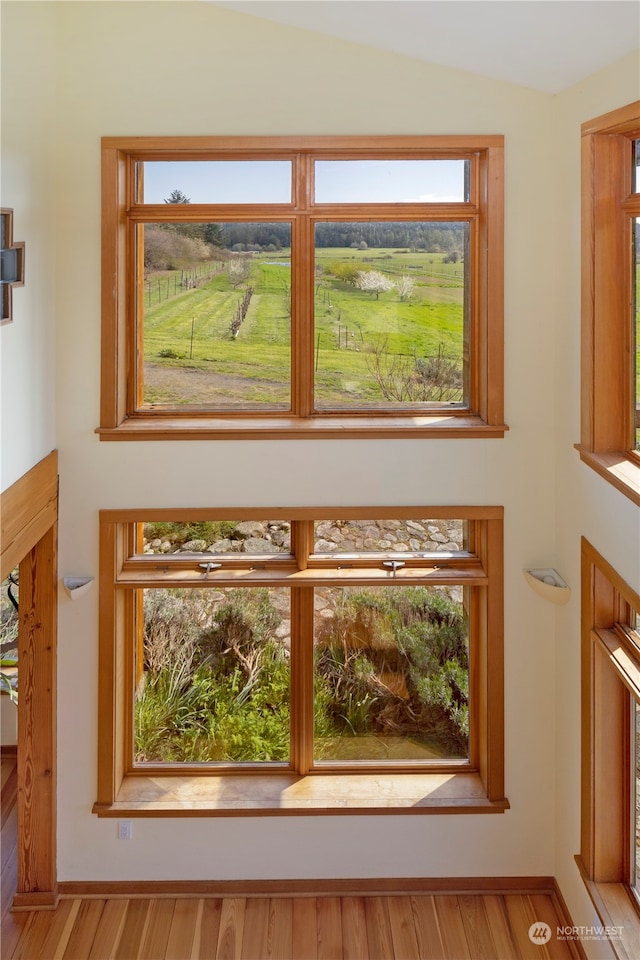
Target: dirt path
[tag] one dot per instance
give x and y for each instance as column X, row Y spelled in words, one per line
column 184, row 385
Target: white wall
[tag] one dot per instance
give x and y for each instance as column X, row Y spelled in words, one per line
column 27, row 346
column 189, row 68
column 122, row 72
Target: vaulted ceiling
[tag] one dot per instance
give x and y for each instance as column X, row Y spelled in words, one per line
column 547, row 45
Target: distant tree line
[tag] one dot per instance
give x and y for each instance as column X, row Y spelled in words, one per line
column 172, row 245
column 433, row 237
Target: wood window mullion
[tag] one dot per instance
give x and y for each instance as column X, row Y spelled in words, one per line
column 302, row 333
column 110, row 692
column 612, row 278
column 131, row 665
column 489, row 274
column 136, row 305
column 302, row 679
column 490, row 646
column 611, row 750
column 302, row 538
column 474, row 601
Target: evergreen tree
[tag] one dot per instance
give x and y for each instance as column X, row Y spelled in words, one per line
column 177, row 196
column 214, row 234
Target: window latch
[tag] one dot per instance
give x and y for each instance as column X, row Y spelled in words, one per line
column 207, row 567
column 393, row 565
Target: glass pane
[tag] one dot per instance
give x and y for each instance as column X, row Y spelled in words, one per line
column 214, row 181
column 391, row 674
column 215, row 536
column 636, row 331
column 9, row 266
column 417, row 537
column 392, row 181
column 391, row 314
column 215, row 308
column 636, row 167
column 212, row 679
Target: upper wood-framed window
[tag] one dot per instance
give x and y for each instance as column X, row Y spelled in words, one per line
column 352, row 658
column 610, row 804
column 610, row 431
column 302, row 287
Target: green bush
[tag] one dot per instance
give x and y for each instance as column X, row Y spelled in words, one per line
column 419, row 637
column 179, row 533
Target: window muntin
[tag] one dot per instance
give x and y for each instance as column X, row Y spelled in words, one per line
column 279, row 393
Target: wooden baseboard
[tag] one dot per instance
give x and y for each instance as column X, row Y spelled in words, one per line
column 308, row 888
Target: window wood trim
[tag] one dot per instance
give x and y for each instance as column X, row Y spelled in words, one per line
column 454, row 786
column 29, row 508
column 120, row 416
column 607, row 210
column 610, row 679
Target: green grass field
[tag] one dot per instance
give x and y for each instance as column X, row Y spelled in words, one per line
column 191, row 355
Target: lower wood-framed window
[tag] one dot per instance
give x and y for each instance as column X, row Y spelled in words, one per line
column 300, row 661
column 610, row 819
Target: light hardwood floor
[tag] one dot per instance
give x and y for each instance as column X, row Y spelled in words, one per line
column 411, row 926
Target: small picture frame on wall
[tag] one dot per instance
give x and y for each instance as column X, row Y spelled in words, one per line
column 11, row 264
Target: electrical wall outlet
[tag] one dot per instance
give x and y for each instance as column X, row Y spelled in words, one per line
column 125, row 831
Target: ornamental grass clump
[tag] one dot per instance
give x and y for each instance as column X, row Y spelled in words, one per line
column 216, row 684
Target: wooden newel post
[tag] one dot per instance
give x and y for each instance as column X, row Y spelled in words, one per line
column 37, row 658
